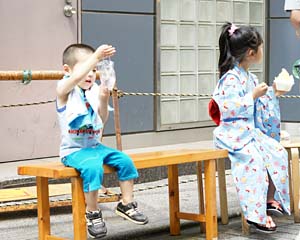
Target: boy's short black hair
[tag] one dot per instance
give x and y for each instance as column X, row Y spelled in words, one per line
column 70, row 53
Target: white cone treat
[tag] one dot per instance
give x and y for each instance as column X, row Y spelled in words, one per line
column 284, row 81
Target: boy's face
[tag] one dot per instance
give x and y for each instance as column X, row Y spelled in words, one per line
column 89, row 79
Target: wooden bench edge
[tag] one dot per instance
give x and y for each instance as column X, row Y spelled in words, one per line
column 141, row 160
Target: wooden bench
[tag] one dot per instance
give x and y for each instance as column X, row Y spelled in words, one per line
column 293, row 149
column 169, row 158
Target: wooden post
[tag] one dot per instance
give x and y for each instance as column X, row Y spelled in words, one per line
column 222, row 190
column 173, row 199
column 210, row 200
column 34, row 75
column 200, row 195
column 43, row 207
column 245, row 226
column 296, row 184
column 289, row 151
column 117, row 118
column 78, row 209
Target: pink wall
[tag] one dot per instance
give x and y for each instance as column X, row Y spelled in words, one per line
column 33, row 36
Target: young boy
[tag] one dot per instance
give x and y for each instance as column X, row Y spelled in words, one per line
column 294, row 7
column 82, row 108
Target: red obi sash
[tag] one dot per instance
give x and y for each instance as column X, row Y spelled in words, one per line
column 214, row 111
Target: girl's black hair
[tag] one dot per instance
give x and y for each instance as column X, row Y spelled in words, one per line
column 234, row 46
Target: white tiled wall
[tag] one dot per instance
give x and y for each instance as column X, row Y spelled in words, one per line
column 189, row 32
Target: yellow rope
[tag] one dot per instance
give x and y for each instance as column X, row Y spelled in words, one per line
column 122, row 94
column 26, row 104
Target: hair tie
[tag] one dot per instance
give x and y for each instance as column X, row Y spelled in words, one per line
column 232, row 29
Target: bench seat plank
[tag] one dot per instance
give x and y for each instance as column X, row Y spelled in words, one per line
column 141, row 160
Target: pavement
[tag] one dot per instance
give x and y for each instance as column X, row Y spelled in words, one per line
column 152, row 198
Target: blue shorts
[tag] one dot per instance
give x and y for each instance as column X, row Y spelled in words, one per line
column 89, row 162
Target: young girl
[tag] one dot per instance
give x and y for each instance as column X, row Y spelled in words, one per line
column 249, row 127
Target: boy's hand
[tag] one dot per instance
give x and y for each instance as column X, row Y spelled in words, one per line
column 277, row 92
column 105, row 51
column 104, row 93
column 103, row 103
column 295, row 20
column 260, row 90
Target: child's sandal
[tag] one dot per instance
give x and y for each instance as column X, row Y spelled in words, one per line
column 274, row 208
column 270, row 226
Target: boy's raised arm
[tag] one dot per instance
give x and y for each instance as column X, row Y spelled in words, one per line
column 80, row 71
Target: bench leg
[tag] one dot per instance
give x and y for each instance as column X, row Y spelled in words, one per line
column 78, row 209
column 201, row 195
column 173, row 199
column 296, row 185
column 210, row 200
column 43, row 207
column 289, row 151
column 245, row 226
column 222, row 190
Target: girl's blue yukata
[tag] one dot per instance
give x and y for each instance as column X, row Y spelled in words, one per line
column 250, row 131
column 80, row 148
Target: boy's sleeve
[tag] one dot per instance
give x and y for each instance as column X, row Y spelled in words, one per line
column 267, row 115
column 291, row 5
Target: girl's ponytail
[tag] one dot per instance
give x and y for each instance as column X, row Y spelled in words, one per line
column 226, row 60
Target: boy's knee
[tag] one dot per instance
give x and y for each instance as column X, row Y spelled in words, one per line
column 93, row 172
column 128, row 162
column 127, row 169
column 92, row 178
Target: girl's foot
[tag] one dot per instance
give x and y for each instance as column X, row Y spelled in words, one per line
column 270, row 226
column 274, row 207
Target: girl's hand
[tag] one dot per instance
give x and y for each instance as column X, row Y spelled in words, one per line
column 277, row 92
column 105, row 51
column 260, row 90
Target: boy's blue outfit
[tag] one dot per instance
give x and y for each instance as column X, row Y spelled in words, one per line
column 80, row 148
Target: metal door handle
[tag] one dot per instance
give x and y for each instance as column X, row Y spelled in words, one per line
column 69, row 10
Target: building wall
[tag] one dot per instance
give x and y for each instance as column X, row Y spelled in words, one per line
column 33, row 36
column 129, row 26
column 180, row 57
column 189, row 54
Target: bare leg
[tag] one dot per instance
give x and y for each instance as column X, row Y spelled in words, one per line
column 275, row 206
column 127, row 191
column 103, row 190
column 91, row 200
column 271, row 190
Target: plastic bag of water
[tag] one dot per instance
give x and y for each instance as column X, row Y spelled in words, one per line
column 107, row 73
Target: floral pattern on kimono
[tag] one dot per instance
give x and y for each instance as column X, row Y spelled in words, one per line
column 249, row 130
